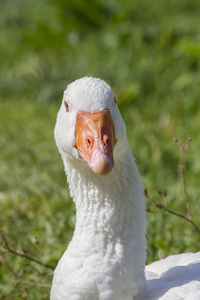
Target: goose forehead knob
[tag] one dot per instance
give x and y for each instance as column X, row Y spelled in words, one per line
column 89, row 94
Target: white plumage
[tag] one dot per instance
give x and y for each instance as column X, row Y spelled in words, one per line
column 106, row 258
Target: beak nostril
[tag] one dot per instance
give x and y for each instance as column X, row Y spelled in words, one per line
column 106, row 140
column 88, row 143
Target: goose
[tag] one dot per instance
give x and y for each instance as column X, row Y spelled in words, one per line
column 105, row 259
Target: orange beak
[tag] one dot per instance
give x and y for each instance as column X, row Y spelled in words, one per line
column 95, row 140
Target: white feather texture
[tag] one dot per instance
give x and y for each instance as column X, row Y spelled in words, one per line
column 106, row 258
column 176, row 277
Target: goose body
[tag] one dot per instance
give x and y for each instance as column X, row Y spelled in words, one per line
column 105, row 259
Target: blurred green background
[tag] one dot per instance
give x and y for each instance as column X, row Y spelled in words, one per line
column 149, row 52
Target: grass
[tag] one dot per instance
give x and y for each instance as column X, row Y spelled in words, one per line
column 149, row 53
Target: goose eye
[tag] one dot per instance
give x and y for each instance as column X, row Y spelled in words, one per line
column 66, row 106
column 115, row 100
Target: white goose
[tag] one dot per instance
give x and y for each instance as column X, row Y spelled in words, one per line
column 106, row 258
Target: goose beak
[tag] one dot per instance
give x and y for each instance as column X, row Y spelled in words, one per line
column 95, row 140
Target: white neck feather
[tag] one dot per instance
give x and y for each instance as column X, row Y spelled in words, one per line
column 110, row 223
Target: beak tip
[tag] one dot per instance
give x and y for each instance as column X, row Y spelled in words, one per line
column 102, row 165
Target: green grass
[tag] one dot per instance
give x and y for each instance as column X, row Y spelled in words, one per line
column 149, row 53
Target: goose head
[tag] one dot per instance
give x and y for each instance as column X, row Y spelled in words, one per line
column 89, row 127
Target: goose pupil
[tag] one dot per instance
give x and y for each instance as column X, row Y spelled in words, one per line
column 66, row 106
